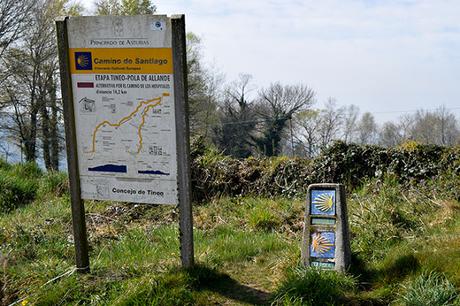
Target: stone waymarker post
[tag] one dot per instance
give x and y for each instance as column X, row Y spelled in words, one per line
column 124, row 90
column 326, row 242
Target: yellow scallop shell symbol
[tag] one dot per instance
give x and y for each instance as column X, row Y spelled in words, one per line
column 320, row 244
column 82, row 61
column 324, row 202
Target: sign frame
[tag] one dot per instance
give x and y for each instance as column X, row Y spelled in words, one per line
column 178, row 45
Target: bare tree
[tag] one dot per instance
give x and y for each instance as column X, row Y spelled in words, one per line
column 330, row 123
column 390, row 135
column 276, row 106
column 203, row 90
column 238, row 120
column 307, row 125
column 14, row 16
column 447, row 126
column 30, row 91
column 439, row 127
column 20, row 94
column 367, row 129
column 406, row 125
column 350, row 123
column 6, row 148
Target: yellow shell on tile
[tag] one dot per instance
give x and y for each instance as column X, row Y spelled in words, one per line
column 324, row 202
column 320, row 244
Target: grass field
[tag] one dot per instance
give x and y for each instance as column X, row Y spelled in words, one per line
column 405, row 244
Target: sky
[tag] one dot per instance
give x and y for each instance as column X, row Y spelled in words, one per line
column 388, row 57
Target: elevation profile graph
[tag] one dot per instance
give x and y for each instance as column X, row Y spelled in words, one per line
column 157, row 172
column 110, row 168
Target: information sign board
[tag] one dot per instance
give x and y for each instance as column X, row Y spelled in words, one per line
column 123, row 92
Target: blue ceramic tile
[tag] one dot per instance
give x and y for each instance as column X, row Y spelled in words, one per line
column 322, row 245
column 323, row 202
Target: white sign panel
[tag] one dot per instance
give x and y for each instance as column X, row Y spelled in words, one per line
column 122, row 82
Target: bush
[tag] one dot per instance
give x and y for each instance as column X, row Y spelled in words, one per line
column 15, row 191
column 4, row 165
column 383, row 213
column 309, row 286
column 430, row 288
column 26, row 170
column 18, row 185
column 264, row 219
column 53, row 182
column 214, row 174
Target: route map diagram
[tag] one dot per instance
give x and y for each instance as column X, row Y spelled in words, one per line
column 125, row 139
column 146, row 105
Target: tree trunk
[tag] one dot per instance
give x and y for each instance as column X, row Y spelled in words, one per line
column 30, row 142
column 45, row 135
column 54, row 133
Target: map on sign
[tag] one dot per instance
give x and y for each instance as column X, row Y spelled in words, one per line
column 124, row 110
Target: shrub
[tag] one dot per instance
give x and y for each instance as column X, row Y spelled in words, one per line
column 262, row 218
column 4, row 165
column 15, row 191
column 214, row 174
column 431, row 288
column 26, row 170
column 383, row 212
column 18, row 185
column 54, row 182
column 309, row 286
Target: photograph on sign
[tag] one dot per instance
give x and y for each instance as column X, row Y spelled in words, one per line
column 122, row 82
column 323, row 202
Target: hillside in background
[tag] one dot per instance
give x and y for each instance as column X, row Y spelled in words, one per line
column 404, row 211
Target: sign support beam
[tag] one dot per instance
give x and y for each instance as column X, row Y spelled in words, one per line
column 182, row 140
column 78, row 208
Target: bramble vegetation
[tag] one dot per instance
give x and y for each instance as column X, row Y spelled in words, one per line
column 214, row 174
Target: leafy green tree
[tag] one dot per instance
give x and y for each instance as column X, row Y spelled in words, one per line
column 203, row 90
column 125, row 7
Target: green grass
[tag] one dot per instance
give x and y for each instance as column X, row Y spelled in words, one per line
column 429, row 288
column 307, row 286
column 247, row 250
column 19, row 184
column 15, row 191
column 54, row 183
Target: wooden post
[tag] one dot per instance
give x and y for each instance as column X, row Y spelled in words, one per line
column 183, row 140
column 78, row 209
